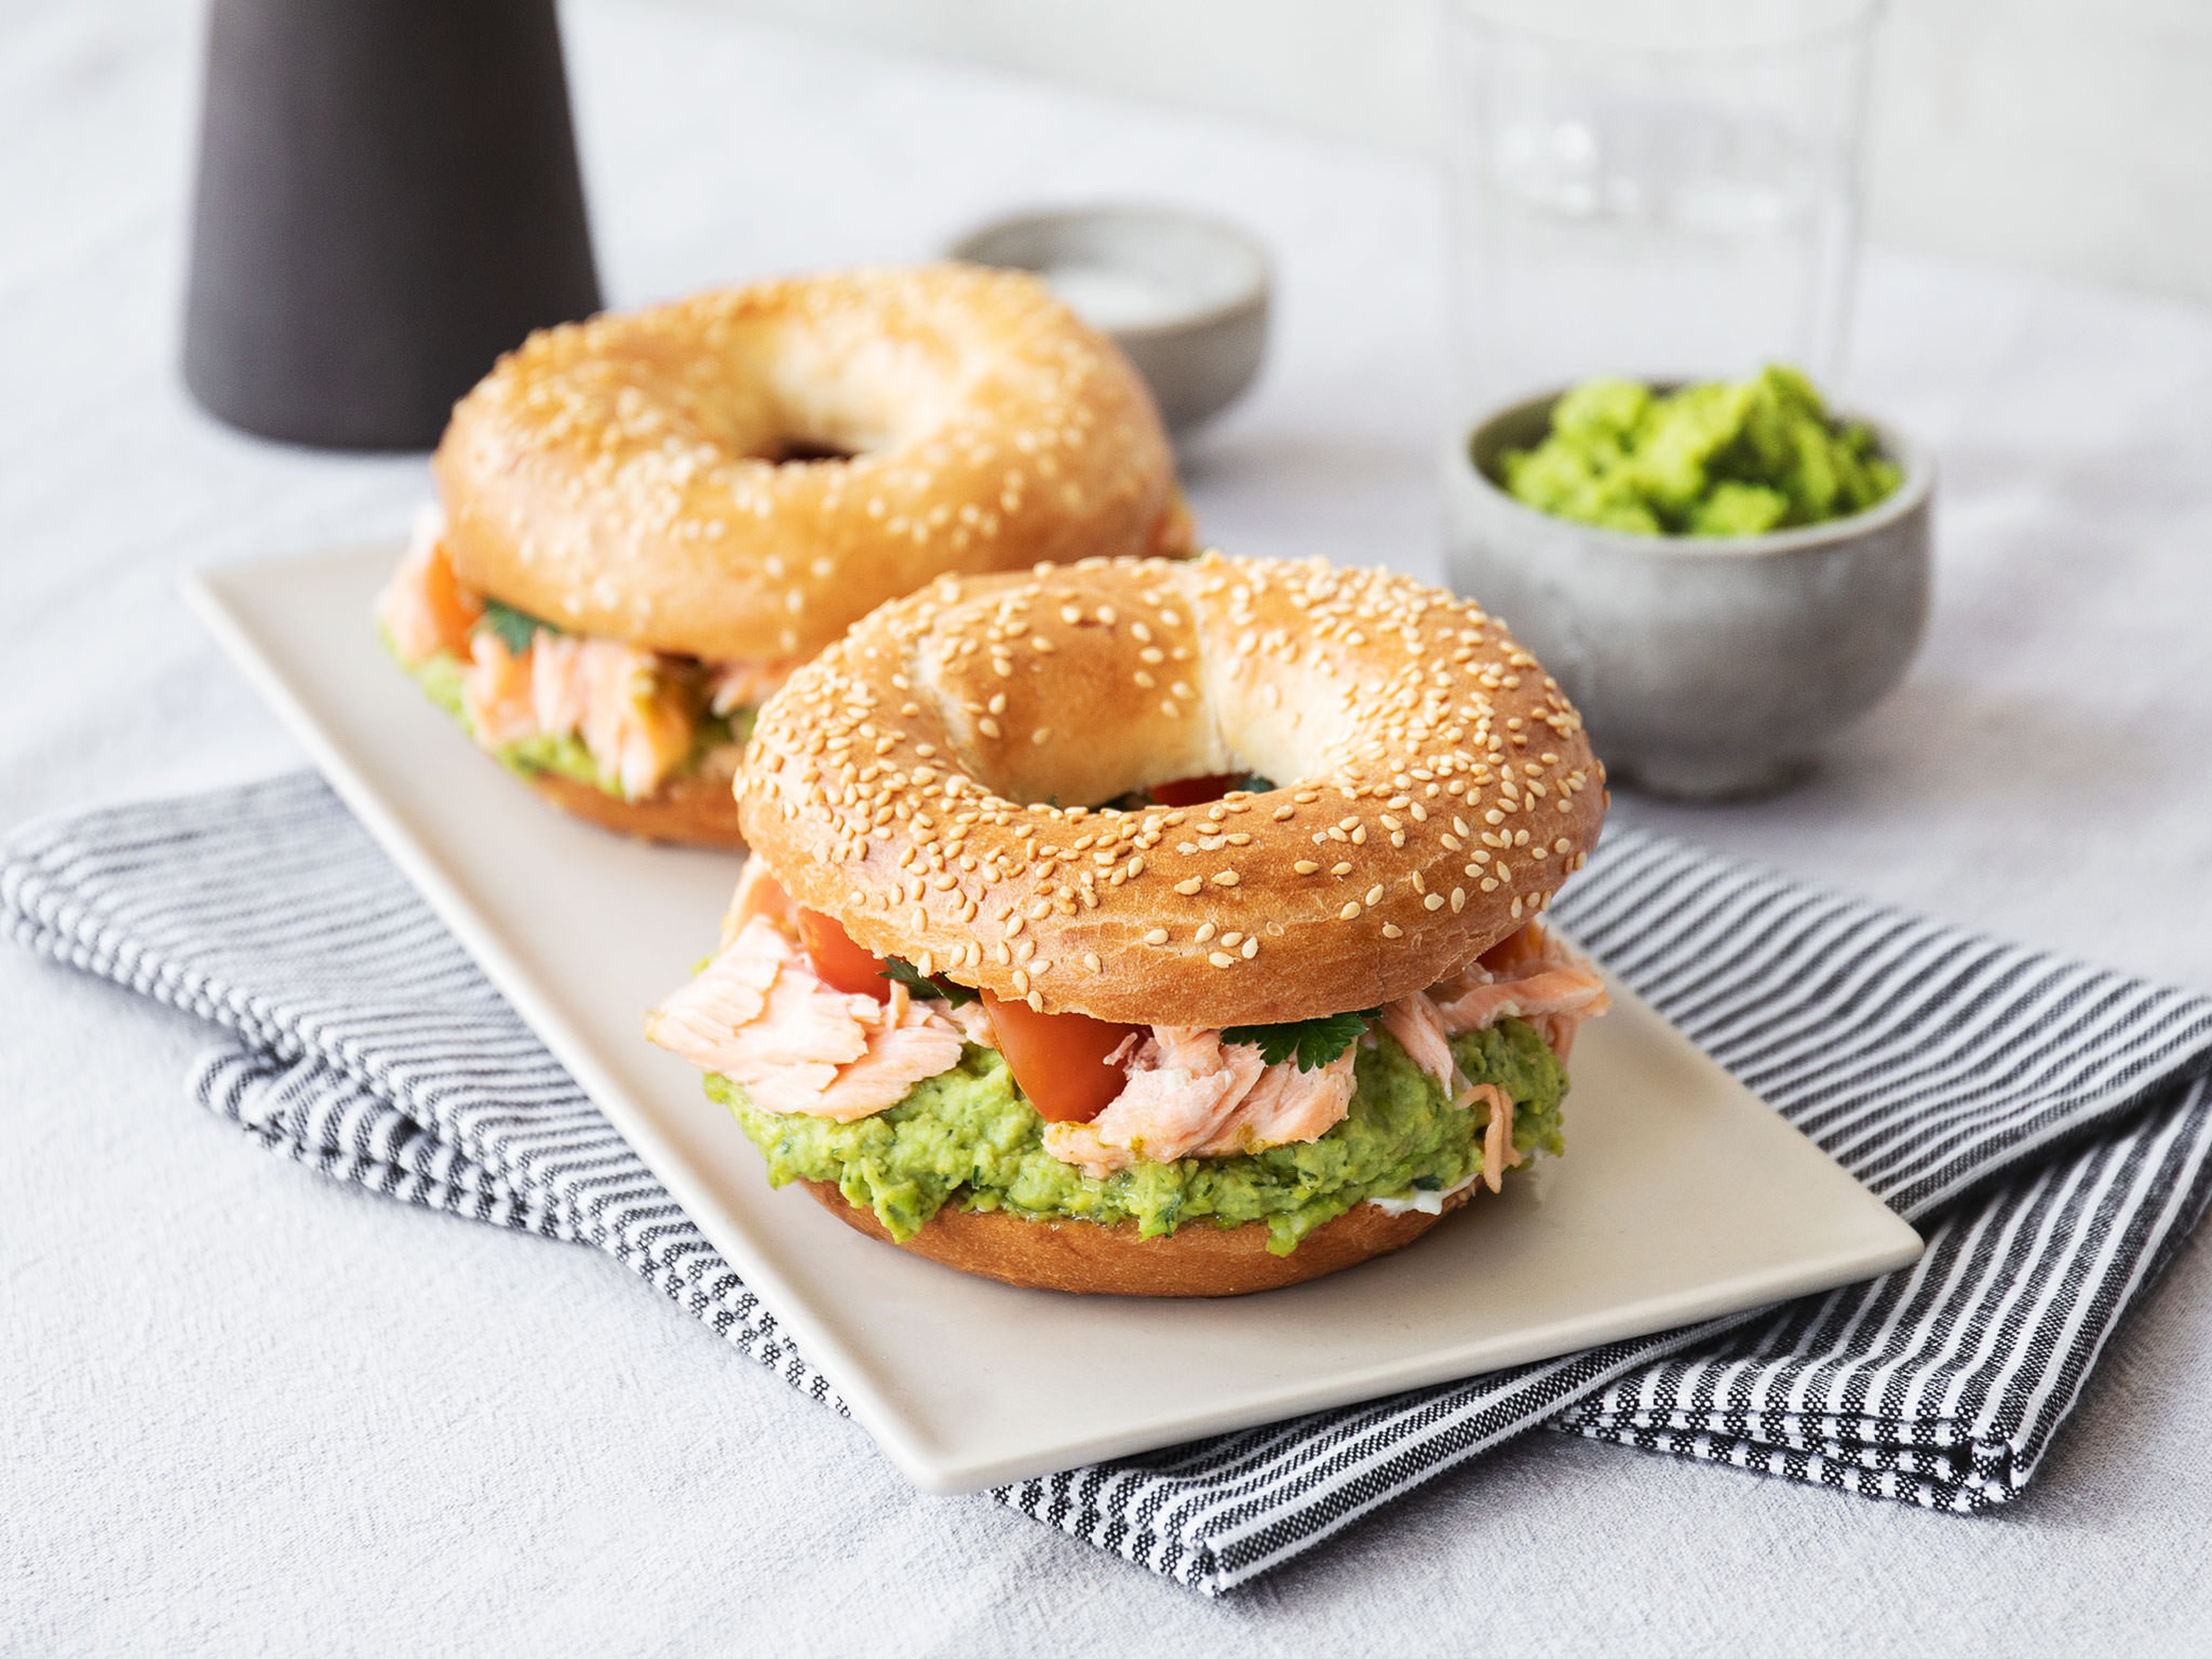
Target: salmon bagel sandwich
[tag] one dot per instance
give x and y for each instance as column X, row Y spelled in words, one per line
column 1153, row 927
column 647, row 520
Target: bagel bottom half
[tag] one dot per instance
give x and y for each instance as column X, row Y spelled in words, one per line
column 1091, row 1259
column 694, row 810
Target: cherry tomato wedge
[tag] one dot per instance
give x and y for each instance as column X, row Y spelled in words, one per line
column 1060, row 1059
column 1196, row 792
column 843, row 965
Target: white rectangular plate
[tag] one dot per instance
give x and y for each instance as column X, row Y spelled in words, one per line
column 1682, row 1196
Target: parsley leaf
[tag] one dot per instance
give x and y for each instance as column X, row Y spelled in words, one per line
column 515, row 628
column 1315, row 1043
column 929, row 990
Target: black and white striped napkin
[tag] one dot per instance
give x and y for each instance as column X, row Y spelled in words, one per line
column 2048, row 1126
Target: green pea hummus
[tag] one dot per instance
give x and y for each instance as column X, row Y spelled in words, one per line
column 440, row 677
column 969, row 1137
column 1717, row 459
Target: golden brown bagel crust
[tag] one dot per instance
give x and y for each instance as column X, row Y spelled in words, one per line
column 621, row 477
column 695, row 810
column 1438, row 786
column 1091, row 1259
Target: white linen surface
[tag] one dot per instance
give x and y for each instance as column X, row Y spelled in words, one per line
column 297, row 1418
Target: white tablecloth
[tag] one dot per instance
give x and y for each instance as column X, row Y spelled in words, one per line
column 249, row 1411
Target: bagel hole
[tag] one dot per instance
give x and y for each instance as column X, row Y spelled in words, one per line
column 1190, row 791
column 792, row 449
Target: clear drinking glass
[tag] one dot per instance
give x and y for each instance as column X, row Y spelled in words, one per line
column 1663, row 189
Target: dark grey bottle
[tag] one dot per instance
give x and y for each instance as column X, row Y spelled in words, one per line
column 388, row 199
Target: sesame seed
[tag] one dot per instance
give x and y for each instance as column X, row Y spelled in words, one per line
column 1305, row 866
column 1187, row 888
column 1350, row 911
column 1392, row 930
column 1158, row 936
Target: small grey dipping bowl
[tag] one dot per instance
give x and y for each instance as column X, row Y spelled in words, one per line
column 1191, row 293
column 1707, row 668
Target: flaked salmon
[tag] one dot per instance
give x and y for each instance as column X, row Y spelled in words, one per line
column 495, row 692
column 759, row 894
column 1534, row 976
column 1498, row 1153
column 1420, row 1032
column 1287, row 1105
column 734, row 685
column 636, row 712
column 424, row 608
column 757, row 1014
column 1191, row 1095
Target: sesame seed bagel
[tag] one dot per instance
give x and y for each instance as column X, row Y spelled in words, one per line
column 1435, row 787
column 646, row 477
column 1086, row 1258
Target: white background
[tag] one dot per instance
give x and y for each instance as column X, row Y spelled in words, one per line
column 2073, row 137
column 246, row 1411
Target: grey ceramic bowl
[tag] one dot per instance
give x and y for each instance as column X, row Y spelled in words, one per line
column 1185, row 296
column 1706, row 666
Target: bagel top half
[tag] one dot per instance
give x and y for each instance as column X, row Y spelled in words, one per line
column 931, row 782
column 634, row 476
